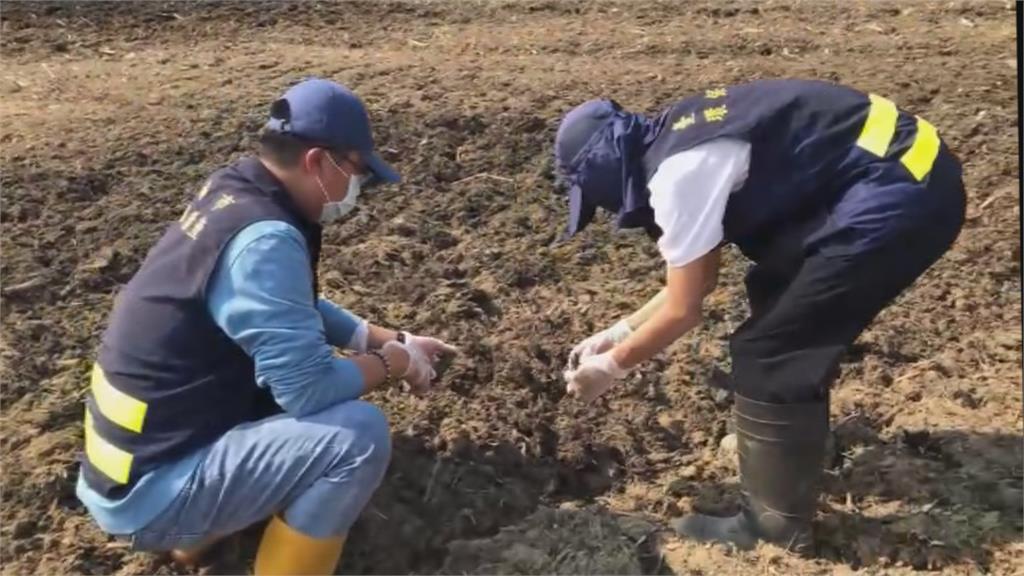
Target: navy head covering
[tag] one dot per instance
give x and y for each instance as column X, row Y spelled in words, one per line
column 599, row 150
column 326, row 113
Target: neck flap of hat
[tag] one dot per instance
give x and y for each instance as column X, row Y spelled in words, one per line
column 609, row 168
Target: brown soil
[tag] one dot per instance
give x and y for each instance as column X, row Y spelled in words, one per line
column 566, row 541
column 114, row 114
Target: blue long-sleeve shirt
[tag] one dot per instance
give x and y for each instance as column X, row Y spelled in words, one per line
column 259, row 294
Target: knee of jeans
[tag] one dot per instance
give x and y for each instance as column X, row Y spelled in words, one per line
column 376, row 428
column 371, row 433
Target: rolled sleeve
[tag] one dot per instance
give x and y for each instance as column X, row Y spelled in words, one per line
column 340, row 324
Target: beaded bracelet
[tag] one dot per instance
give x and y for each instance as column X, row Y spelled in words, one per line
column 387, row 365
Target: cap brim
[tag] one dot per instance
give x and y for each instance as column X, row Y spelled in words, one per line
column 580, row 213
column 382, row 171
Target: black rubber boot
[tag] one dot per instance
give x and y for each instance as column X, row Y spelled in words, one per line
column 781, row 447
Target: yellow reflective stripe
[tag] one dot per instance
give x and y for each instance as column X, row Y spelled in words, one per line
column 118, row 407
column 107, row 458
column 921, row 156
column 880, row 126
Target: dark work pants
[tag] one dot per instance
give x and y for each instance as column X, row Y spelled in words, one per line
column 810, row 301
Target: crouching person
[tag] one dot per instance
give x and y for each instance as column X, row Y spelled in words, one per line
column 222, row 321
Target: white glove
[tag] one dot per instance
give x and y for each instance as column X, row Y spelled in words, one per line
column 419, row 373
column 603, row 341
column 594, row 377
column 431, row 348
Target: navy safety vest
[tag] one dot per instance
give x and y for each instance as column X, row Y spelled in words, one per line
column 168, row 380
column 808, row 141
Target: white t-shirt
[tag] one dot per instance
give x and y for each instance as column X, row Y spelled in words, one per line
column 689, row 192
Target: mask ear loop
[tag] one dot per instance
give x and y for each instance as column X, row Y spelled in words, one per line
column 320, row 182
column 323, row 189
column 365, row 180
column 335, row 164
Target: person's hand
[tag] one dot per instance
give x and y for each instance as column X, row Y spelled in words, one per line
column 398, row 358
column 599, row 343
column 594, row 376
column 431, row 348
column 418, row 372
column 436, row 352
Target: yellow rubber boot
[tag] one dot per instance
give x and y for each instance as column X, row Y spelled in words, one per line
column 285, row 551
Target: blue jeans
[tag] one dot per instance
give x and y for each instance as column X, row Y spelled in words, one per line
column 317, row 471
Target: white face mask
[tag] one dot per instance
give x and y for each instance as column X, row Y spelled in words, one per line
column 332, row 210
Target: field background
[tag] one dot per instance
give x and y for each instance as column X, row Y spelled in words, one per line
column 114, row 114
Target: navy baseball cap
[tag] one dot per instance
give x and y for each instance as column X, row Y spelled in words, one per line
column 328, row 114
